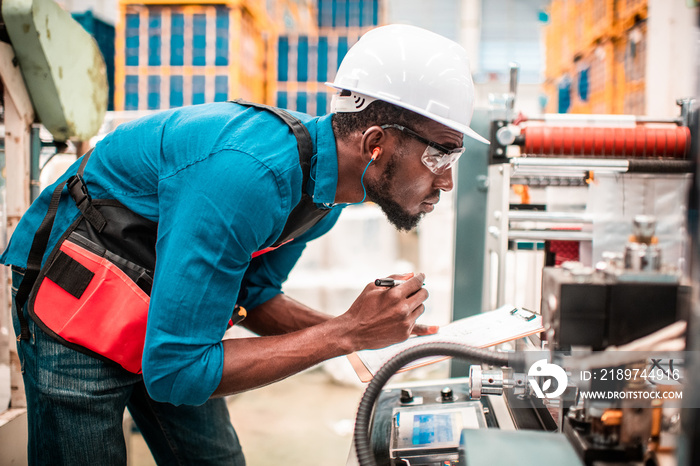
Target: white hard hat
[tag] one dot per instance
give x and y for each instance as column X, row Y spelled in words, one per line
column 412, row 68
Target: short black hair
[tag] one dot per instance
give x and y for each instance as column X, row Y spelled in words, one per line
column 377, row 113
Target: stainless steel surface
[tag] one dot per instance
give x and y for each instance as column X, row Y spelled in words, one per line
column 566, row 166
column 557, row 235
column 553, row 217
column 640, row 257
column 600, row 119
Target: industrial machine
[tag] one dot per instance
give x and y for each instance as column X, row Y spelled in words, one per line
column 626, row 297
column 582, row 179
column 605, row 390
column 604, row 383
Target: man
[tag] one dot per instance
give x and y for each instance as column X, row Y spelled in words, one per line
column 225, row 196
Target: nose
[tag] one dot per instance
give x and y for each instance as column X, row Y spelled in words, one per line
column 445, row 182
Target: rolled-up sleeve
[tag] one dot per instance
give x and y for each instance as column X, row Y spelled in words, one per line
column 213, row 214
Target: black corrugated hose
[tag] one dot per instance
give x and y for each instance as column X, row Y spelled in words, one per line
column 364, row 411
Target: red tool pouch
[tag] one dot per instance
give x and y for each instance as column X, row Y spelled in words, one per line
column 85, row 300
column 92, row 293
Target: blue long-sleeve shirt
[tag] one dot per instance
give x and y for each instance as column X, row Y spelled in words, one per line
column 220, row 180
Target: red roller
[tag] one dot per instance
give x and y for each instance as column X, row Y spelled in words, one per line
column 640, row 141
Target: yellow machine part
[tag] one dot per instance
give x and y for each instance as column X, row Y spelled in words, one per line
column 62, row 67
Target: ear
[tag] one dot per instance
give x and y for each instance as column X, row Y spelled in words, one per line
column 373, row 142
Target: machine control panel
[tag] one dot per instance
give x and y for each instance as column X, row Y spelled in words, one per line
column 423, row 423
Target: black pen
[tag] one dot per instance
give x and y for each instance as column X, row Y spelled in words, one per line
column 388, row 282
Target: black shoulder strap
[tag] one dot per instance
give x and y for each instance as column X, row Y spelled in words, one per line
column 304, row 144
column 42, row 235
column 305, row 214
column 78, row 191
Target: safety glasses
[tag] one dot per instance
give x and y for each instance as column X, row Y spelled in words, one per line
column 436, row 157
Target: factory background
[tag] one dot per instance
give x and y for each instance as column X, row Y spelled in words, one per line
column 574, row 56
column 281, row 52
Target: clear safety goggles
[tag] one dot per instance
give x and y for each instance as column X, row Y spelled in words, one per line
column 436, row 157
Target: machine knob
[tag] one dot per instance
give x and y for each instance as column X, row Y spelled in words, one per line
column 406, row 396
column 446, row 395
column 507, row 135
column 475, row 382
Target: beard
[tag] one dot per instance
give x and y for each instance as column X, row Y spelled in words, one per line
column 378, row 193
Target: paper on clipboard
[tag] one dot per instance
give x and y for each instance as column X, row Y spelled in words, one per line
column 482, row 330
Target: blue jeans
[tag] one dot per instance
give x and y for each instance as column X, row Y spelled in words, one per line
column 75, row 409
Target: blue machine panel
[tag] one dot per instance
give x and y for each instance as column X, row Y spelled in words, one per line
column 198, row 85
column 303, row 59
column 176, row 99
column 199, row 40
column 301, row 102
column 222, row 23
column 221, row 88
column 283, row 60
column 177, row 39
column 132, row 39
column 154, row 38
column 131, row 93
column 154, row 92
column 282, row 99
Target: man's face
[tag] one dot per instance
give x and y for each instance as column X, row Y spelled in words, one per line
column 407, row 189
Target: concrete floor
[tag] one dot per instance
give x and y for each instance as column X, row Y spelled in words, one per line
column 306, row 419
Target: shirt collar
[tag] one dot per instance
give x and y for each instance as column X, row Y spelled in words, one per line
column 324, row 164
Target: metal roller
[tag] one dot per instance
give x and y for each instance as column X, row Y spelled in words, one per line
column 637, row 142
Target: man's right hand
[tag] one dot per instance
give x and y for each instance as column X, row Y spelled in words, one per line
column 382, row 316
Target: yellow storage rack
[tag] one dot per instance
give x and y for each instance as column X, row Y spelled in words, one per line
column 631, row 11
column 630, row 52
column 602, row 19
column 164, row 56
column 603, row 42
column 553, row 39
